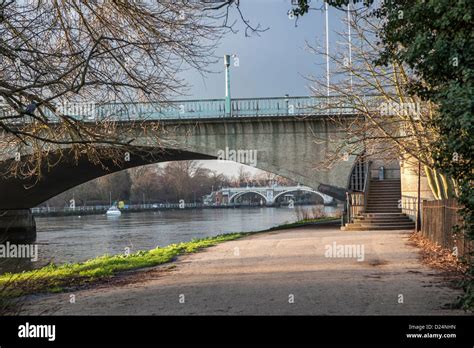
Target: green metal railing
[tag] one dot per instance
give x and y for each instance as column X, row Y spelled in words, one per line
column 215, row 108
column 200, row 109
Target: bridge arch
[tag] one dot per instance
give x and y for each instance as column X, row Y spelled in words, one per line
column 324, row 197
column 238, row 194
column 28, row 193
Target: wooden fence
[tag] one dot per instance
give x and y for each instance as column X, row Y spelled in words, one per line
column 438, row 220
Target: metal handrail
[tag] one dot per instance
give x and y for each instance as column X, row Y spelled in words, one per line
column 409, row 205
column 358, row 198
column 367, row 183
column 192, row 109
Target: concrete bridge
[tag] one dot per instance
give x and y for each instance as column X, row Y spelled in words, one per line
column 286, row 136
column 269, row 194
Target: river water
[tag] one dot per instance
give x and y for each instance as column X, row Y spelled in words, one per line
column 79, row 238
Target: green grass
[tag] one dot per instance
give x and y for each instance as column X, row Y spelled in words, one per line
column 57, row 278
column 54, row 278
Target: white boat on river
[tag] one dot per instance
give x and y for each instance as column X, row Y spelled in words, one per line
column 113, row 211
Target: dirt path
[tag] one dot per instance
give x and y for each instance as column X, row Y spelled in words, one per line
column 284, row 272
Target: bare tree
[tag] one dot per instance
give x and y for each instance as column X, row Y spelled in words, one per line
column 62, row 62
column 378, row 119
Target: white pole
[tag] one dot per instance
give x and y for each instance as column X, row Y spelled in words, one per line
column 350, row 40
column 228, row 103
column 327, row 46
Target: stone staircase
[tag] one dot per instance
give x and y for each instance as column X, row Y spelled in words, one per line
column 382, row 211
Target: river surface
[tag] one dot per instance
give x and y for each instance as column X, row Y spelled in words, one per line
column 78, row 238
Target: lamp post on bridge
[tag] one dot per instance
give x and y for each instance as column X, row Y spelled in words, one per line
column 228, row 105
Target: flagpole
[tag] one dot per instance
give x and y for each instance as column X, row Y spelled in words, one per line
column 327, row 46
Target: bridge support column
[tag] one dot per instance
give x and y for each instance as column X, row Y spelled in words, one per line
column 17, row 226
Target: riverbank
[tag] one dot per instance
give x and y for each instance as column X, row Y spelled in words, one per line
column 282, row 272
column 58, row 278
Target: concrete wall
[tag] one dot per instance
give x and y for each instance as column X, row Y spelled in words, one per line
column 409, row 183
column 409, row 178
column 291, row 147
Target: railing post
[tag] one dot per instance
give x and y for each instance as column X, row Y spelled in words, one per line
column 418, row 200
column 348, row 207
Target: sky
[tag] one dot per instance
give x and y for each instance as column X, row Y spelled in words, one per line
column 271, row 64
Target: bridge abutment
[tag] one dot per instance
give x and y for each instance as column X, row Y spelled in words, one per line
column 17, row 226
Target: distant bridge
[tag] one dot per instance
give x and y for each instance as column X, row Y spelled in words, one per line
column 269, row 194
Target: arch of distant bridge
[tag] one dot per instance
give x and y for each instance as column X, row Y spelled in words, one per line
column 239, row 194
column 296, row 190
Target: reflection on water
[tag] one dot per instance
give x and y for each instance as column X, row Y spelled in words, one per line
column 78, row 238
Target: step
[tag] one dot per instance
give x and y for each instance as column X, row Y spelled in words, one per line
column 370, row 209
column 382, row 206
column 382, row 222
column 351, row 228
column 386, row 224
column 384, row 183
column 382, row 217
column 373, row 220
column 368, row 214
column 394, row 198
column 384, row 190
column 383, row 199
column 383, row 226
column 382, row 210
column 382, row 195
column 384, row 180
column 394, row 202
column 387, row 191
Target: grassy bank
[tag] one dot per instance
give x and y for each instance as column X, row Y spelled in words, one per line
column 53, row 278
column 56, row 278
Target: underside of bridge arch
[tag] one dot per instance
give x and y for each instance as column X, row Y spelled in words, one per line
column 23, row 194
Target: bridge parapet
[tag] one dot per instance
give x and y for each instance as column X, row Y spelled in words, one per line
column 197, row 109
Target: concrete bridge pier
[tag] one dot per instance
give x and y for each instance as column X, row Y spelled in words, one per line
column 17, row 226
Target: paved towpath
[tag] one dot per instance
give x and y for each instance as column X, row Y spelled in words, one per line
column 274, row 273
